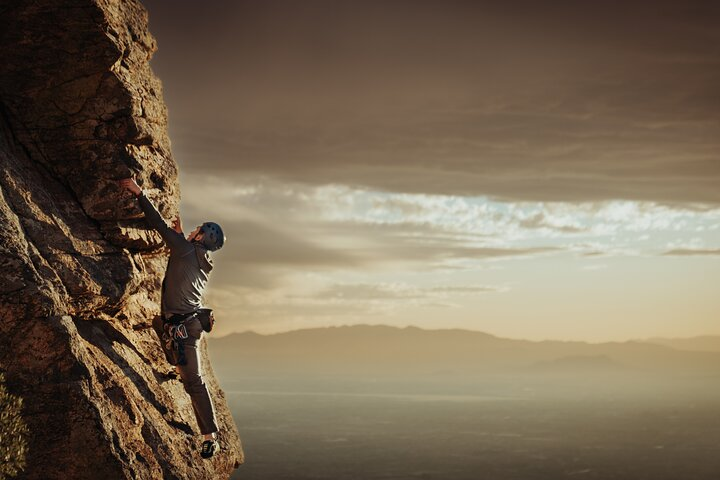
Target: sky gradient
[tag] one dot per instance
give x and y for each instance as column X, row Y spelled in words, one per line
column 529, row 170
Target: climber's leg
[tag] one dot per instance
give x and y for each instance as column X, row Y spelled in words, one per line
column 194, row 383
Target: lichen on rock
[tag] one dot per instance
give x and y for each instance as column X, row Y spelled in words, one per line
column 79, row 109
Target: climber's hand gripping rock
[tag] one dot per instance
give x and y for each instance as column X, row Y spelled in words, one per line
column 130, row 185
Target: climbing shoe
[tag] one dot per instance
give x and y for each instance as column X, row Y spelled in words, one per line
column 209, row 447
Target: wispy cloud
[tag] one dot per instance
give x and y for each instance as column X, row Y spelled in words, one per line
column 400, row 291
column 692, row 252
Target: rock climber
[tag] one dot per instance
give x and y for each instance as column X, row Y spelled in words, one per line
column 187, row 274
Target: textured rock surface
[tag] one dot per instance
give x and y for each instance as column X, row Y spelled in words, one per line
column 79, row 109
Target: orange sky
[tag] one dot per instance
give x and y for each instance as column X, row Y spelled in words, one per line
column 530, row 172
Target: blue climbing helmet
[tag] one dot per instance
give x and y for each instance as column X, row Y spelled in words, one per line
column 213, row 236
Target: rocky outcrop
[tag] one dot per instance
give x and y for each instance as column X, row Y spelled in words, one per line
column 80, row 109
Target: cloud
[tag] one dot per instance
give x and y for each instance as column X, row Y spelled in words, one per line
column 512, row 103
column 518, row 162
column 567, row 102
column 468, row 289
column 275, row 227
column 540, row 220
column 398, row 291
column 261, row 244
column 366, row 291
column 684, row 252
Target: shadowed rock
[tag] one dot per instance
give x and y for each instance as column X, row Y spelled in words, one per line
column 80, row 109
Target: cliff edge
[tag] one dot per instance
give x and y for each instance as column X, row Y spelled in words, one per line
column 79, row 109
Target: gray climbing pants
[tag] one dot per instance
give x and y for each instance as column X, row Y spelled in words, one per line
column 192, row 379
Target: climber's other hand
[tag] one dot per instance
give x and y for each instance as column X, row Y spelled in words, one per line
column 130, row 185
column 177, row 225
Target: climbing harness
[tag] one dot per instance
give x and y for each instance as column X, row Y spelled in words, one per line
column 174, row 332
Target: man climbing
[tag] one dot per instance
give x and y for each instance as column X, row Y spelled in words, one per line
column 187, row 273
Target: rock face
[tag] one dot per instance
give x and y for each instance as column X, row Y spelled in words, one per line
column 81, row 273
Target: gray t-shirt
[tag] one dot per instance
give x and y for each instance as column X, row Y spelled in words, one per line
column 188, row 267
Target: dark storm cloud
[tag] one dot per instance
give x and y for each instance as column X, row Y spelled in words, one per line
column 554, row 100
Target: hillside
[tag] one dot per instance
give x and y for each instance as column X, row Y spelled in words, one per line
column 384, row 350
column 703, row 343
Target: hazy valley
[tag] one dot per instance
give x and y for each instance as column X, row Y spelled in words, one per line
column 367, row 402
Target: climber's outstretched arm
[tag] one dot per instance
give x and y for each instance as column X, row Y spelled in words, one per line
column 172, row 237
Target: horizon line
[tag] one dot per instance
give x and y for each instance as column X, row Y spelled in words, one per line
column 406, row 327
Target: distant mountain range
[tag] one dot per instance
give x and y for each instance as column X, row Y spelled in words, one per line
column 381, row 349
column 704, row 343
